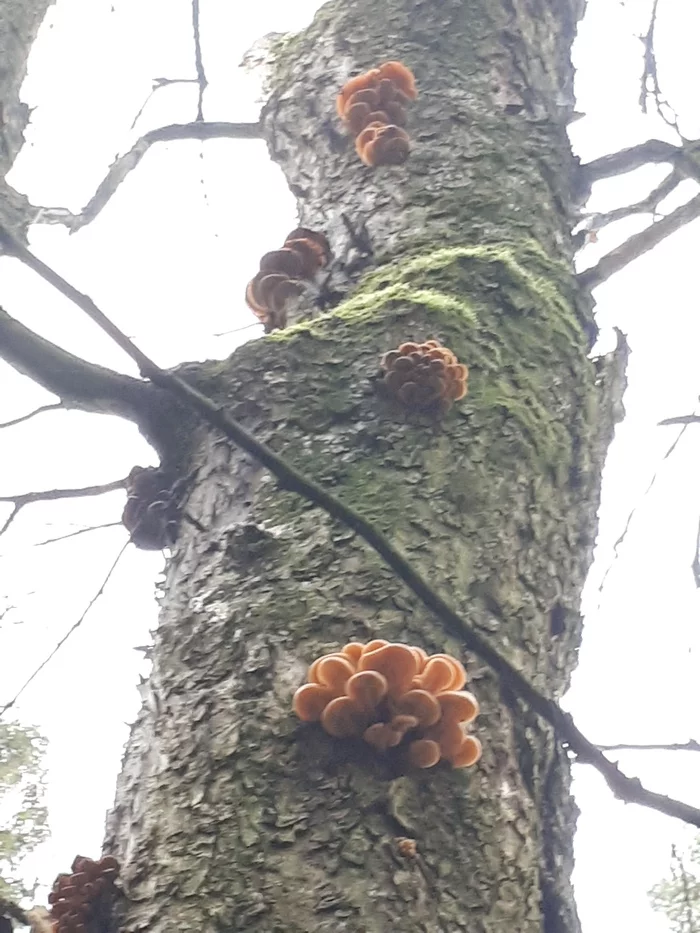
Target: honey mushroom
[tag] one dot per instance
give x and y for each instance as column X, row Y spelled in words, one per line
column 424, row 377
column 373, row 108
column 390, row 694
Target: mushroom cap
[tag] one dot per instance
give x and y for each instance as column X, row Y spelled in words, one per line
column 396, row 662
column 400, row 76
column 283, row 260
column 334, row 672
column 309, row 255
column 468, row 753
column 403, row 723
column 458, row 705
column 438, row 675
column 423, row 753
column 358, row 83
column 342, row 719
column 460, row 675
column 367, row 95
column 352, row 651
column 374, row 644
column 253, row 302
column 316, row 237
column 421, row 704
column 381, row 736
column 357, row 116
column 449, row 735
column 312, row 673
column 389, row 150
column 367, row 689
column 310, row 700
column 421, row 656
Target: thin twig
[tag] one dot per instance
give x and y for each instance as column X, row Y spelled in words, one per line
column 48, row 495
column 37, row 411
column 681, row 419
column 648, row 205
column 624, row 787
column 198, row 60
column 695, row 566
column 127, row 162
column 690, row 746
column 158, row 83
column 653, row 151
column 639, row 244
column 633, row 511
column 80, row 531
column 70, row 631
column 650, row 77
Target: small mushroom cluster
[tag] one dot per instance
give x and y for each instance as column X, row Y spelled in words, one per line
column 373, row 108
column 281, row 273
column 424, row 376
column 393, row 694
column 81, row 901
column 151, row 514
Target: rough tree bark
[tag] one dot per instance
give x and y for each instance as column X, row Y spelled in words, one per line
column 229, row 814
column 19, row 23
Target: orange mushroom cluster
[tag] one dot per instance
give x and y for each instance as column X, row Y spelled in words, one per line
column 424, row 376
column 393, row 694
column 151, row 514
column 373, row 108
column 81, row 901
column 281, row 273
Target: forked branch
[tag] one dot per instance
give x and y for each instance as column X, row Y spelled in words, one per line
column 51, row 495
column 639, row 244
column 127, row 162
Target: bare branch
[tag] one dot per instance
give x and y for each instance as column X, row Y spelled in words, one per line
column 50, row 495
column 690, row 746
column 158, row 83
column 681, row 419
column 653, row 151
column 648, row 205
column 37, row 411
column 198, row 61
column 81, row 385
column 70, row 631
column 650, row 78
column 695, row 566
column 79, row 531
column 127, row 162
column 633, row 511
column 639, row 244
column 624, row 787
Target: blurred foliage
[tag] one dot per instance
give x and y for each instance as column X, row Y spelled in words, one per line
column 678, row 897
column 23, row 814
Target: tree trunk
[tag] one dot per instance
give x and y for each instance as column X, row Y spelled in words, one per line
column 230, row 814
column 19, row 23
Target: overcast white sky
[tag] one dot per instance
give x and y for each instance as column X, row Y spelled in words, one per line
column 166, row 261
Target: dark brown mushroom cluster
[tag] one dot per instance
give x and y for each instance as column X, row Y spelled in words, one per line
column 424, row 376
column 373, row 108
column 393, row 695
column 281, row 273
column 81, row 901
column 152, row 513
